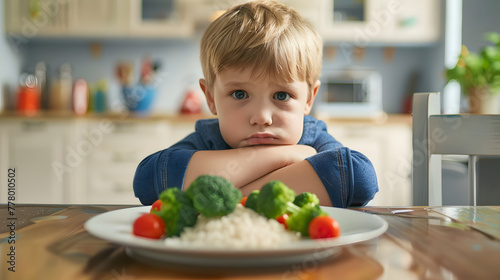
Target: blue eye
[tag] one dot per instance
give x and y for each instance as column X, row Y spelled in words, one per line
column 239, row 94
column 281, row 96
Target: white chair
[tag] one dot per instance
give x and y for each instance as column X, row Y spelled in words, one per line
column 435, row 134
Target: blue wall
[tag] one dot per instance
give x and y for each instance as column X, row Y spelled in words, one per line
column 179, row 60
column 181, row 67
column 479, row 17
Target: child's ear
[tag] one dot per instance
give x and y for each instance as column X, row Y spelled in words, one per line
column 208, row 96
column 312, row 95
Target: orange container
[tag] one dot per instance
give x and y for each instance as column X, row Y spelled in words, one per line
column 28, row 100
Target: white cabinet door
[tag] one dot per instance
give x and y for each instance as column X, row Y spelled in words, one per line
column 179, row 130
column 407, row 21
column 395, row 179
column 116, row 155
column 388, row 147
column 98, row 17
column 367, row 22
column 28, row 19
column 33, row 148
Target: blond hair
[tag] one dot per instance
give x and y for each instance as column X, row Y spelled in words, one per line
column 267, row 36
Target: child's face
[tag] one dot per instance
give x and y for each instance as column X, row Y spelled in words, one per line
column 258, row 111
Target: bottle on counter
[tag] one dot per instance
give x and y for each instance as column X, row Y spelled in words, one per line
column 28, row 101
column 99, row 97
column 80, row 100
column 60, row 97
column 41, row 80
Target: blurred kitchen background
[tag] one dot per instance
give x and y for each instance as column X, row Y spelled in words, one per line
column 90, row 87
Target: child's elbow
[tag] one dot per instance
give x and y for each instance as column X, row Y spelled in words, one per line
column 143, row 183
column 365, row 181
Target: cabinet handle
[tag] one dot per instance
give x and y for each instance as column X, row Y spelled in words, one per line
column 34, row 126
column 121, row 188
column 124, row 157
column 124, row 126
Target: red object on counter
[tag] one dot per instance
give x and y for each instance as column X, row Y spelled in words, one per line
column 28, row 100
column 191, row 104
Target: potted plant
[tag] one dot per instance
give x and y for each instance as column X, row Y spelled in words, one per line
column 479, row 76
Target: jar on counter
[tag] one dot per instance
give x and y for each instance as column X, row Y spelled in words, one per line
column 60, row 96
column 28, row 100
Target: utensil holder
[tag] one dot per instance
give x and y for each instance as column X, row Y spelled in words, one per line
column 139, row 98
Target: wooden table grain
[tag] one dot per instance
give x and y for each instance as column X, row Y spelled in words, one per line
column 50, row 242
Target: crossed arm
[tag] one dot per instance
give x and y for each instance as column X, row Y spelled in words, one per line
column 250, row 168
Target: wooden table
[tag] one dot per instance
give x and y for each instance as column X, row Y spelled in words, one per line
column 426, row 243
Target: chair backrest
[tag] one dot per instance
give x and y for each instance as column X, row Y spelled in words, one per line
column 435, row 134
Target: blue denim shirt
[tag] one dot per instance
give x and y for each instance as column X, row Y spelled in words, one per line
column 347, row 175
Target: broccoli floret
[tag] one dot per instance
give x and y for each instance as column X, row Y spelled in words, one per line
column 252, row 200
column 275, row 199
column 306, row 198
column 300, row 220
column 213, row 196
column 177, row 211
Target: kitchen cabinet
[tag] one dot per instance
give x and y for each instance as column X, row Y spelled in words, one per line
column 26, row 19
column 76, row 160
column 388, row 147
column 202, row 12
column 93, row 160
column 359, row 22
column 122, row 146
column 181, row 128
column 366, row 22
column 42, row 154
column 97, row 17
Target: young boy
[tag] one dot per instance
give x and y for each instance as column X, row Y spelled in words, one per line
column 261, row 63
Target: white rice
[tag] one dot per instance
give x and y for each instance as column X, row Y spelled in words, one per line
column 242, row 229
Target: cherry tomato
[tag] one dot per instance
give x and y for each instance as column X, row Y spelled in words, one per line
column 149, row 225
column 323, row 227
column 156, row 205
column 282, row 220
column 243, row 201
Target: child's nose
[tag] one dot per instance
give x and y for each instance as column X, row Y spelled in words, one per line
column 261, row 116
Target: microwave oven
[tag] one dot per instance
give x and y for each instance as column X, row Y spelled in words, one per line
column 350, row 93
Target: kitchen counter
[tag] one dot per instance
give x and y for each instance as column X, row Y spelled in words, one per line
column 426, row 243
column 379, row 120
column 119, row 116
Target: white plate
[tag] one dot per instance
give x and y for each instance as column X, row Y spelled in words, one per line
column 116, row 227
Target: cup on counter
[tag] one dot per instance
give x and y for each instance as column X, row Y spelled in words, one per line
column 139, row 98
